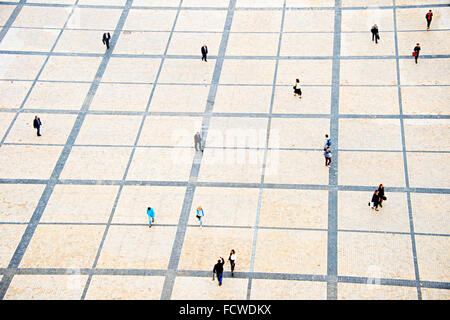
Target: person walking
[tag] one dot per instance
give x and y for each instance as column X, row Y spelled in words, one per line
column 327, row 155
column 327, row 143
column 375, row 200
column 218, row 270
column 37, row 125
column 106, row 38
column 416, row 52
column 429, row 17
column 232, row 259
column 375, row 34
column 297, row 90
column 204, row 52
column 381, row 195
column 198, row 142
column 200, row 214
column 151, row 216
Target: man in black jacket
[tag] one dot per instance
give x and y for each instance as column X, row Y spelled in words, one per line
column 218, row 269
column 204, row 52
column 106, row 38
column 428, row 17
column 375, row 35
column 37, row 125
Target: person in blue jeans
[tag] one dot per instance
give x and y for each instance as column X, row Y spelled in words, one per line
column 218, row 270
column 200, row 214
column 151, row 216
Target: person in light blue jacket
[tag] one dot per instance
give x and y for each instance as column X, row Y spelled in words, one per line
column 200, row 214
column 151, row 216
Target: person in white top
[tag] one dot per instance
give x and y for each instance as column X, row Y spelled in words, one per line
column 297, row 90
column 327, row 143
column 232, row 259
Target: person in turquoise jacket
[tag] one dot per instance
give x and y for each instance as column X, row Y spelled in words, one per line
column 200, row 215
column 151, row 216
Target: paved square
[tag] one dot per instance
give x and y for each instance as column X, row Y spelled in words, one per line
column 118, row 129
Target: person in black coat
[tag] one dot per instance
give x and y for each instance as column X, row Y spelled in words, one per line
column 375, row 35
column 37, row 125
column 381, row 194
column 106, row 38
column 218, row 269
column 428, row 17
column 375, row 200
column 204, row 52
column 417, row 50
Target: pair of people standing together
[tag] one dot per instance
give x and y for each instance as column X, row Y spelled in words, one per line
column 377, row 198
column 218, row 267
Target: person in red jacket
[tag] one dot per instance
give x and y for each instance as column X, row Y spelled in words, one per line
column 429, row 16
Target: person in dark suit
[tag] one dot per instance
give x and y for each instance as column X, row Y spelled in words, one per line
column 106, row 38
column 375, row 35
column 417, row 50
column 204, row 52
column 37, row 125
column 428, row 17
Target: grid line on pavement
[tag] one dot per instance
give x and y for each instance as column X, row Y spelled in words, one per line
column 266, row 149
column 169, row 281
column 405, row 165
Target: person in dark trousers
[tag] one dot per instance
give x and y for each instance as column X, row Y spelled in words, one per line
column 429, row 17
column 204, row 52
column 381, row 194
column 375, row 35
column 416, row 51
column 232, row 259
column 297, row 90
column 37, row 125
column 198, row 142
column 218, row 270
column 375, row 200
column 327, row 155
column 106, row 38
